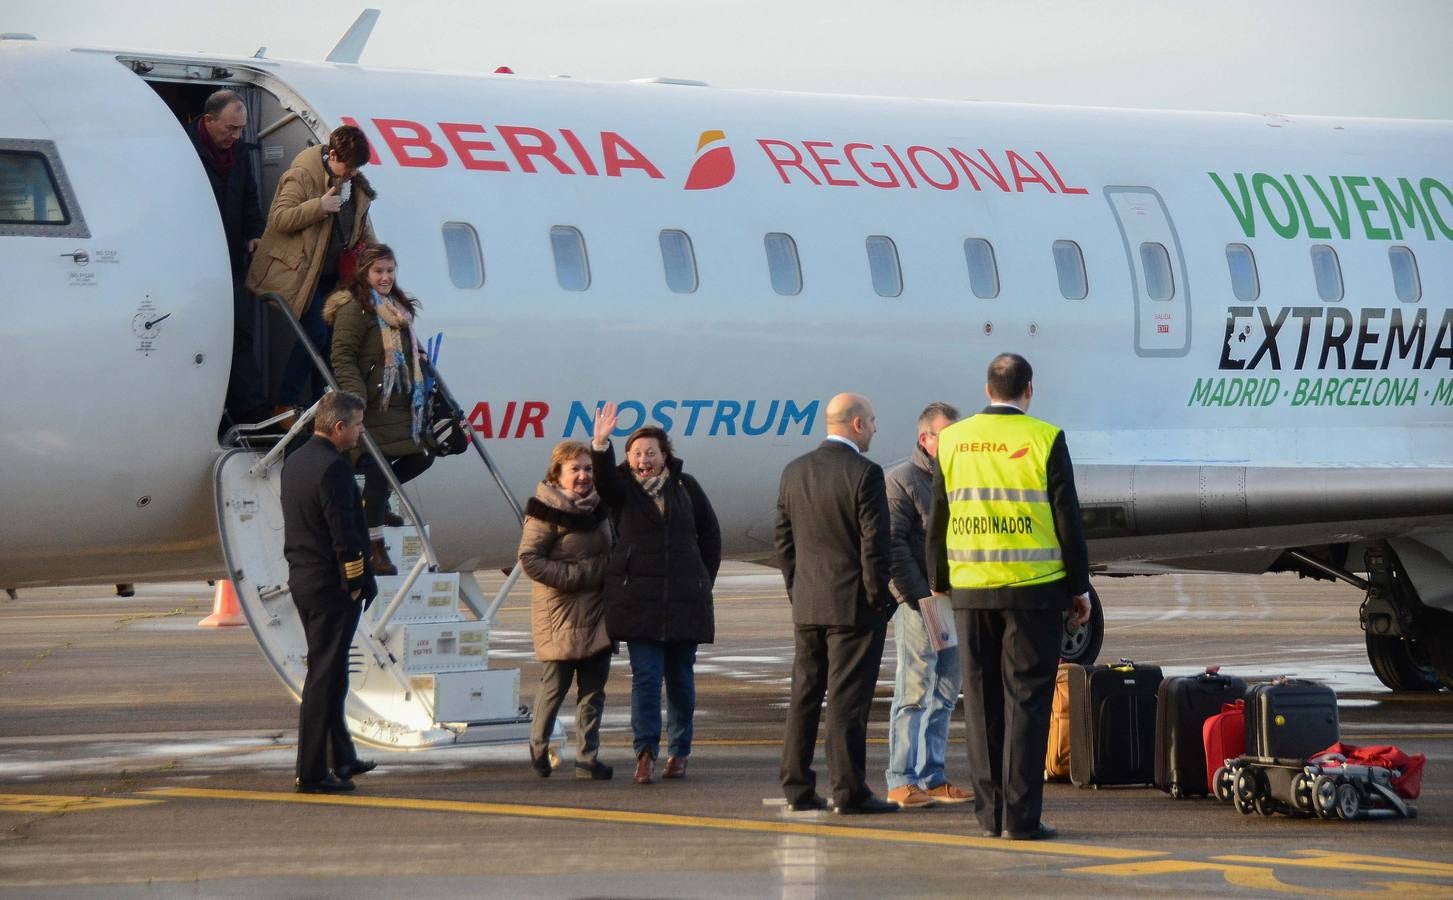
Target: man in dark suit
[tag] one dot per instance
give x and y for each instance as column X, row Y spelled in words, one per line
column 325, row 541
column 833, row 544
column 1006, row 544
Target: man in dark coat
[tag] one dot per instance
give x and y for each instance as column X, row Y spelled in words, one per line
column 217, row 136
column 832, row 539
column 326, row 545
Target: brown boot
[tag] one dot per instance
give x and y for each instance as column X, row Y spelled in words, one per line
column 644, row 762
column 382, row 565
column 675, row 767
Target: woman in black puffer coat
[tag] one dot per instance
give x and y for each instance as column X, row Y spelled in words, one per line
column 658, row 583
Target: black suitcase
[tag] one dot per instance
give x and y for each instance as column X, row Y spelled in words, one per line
column 1290, row 719
column 1183, row 705
column 1112, row 724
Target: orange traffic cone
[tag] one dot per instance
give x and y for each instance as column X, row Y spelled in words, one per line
column 226, row 611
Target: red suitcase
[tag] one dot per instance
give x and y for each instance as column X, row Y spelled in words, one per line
column 1224, row 735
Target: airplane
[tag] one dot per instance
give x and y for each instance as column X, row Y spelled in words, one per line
column 1241, row 321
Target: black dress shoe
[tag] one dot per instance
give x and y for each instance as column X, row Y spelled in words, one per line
column 1041, row 833
column 813, row 803
column 346, row 771
column 595, row 771
column 541, row 764
column 392, row 521
column 328, row 785
column 990, row 833
column 867, row 807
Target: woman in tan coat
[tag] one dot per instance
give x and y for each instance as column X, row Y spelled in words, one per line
column 564, row 550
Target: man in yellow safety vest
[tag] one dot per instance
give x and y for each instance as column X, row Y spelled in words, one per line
column 1006, row 545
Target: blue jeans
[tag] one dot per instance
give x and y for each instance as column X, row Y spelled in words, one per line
column 302, row 383
column 924, row 694
column 651, row 661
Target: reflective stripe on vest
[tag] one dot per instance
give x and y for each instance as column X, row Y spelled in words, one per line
column 1001, row 524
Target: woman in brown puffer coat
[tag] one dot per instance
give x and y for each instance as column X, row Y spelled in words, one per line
column 564, row 550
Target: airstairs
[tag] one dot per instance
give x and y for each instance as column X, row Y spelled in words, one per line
column 419, row 673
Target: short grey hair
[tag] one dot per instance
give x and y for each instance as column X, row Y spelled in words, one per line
column 220, row 100
column 336, row 407
column 933, row 411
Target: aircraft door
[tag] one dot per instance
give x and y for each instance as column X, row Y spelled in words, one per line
column 1162, row 292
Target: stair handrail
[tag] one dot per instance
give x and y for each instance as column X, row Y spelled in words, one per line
column 432, row 371
column 369, row 445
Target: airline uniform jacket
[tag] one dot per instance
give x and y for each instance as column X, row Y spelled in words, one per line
column 1069, row 531
column 325, row 539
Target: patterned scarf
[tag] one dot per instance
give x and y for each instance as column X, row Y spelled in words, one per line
column 653, row 486
column 398, row 376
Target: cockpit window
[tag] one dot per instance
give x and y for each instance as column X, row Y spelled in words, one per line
column 34, row 196
column 28, row 194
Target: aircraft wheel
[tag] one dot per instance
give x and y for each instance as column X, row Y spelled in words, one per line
column 1349, row 802
column 1324, row 796
column 1080, row 644
column 1222, row 783
column 1401, row 663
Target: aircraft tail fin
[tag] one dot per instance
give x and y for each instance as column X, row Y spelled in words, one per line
column 350, row 47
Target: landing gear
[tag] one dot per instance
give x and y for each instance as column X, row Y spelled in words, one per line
column 1438, row 632
column 1402, row 634
column 1080, row 644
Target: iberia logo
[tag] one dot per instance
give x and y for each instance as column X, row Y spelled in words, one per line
column 1022, row 451
column 714, row 165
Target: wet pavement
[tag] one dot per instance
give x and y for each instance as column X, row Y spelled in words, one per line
column 142, row 756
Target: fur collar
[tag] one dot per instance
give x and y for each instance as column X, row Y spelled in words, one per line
column 541, row 507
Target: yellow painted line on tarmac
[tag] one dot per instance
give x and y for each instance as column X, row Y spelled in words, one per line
column 667, row 820
column 1262, row 880
column 1348, row 862
column 53, row 803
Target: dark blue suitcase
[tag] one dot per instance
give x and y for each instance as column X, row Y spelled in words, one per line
column 1112, row 724
column 1290, row 719
column 1182, row 708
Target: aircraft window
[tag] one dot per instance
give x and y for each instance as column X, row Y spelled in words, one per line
column 983, row 272
column 883, row 266
column 572, row 268
column 1069, row 265
column 783, row 264
column 1241, row 263
column 461, row 251
column 1155, row 261
column 1327, row 272
column 28, row 194
column 679, row 261
column 1405, row 274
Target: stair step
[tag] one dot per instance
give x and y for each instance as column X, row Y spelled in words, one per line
column 433, row 598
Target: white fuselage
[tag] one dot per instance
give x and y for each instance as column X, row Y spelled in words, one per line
column 108, row 428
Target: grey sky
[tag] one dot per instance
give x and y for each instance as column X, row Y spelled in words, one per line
column 1334, row 57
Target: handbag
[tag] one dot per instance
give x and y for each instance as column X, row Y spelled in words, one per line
column 348, row 262
column 443, row 433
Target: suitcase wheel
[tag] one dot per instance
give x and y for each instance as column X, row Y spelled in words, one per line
column 1245, row 792
column 1324, row 796
column 1175, row 791
column 1265, row 805
column 1222, row 784
column 1349, row 802
column 1302, row 793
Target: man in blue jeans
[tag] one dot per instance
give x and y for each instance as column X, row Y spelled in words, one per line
column 927, row 685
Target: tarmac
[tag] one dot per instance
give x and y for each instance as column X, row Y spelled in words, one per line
column 141, row 756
